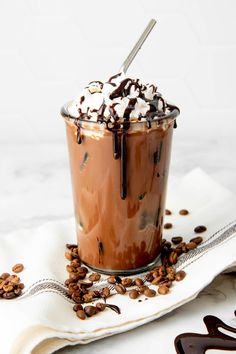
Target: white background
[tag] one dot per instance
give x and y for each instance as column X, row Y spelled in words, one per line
column 50, row 49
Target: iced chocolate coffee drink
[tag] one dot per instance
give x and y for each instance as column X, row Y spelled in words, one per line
column 119, row 137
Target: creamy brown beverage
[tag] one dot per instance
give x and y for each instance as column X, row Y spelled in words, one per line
column 119, row 138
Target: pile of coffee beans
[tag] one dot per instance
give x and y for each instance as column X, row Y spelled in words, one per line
column 79, row 288
column 158, row 281
column 10, row 284
column 160, row 278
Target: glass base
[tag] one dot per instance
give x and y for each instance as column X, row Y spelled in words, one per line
column 125, row 271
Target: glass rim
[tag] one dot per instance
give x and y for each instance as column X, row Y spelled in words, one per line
column 172, row 114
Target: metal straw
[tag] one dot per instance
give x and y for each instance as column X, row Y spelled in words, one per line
column 137, row 46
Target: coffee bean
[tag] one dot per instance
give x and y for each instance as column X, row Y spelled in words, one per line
column 100, row 306
column 138, row 281
column 199, row 229
column 178, row 251
column 191, row 245
column 72, row 287
column 173, row 257
column 9, row 296
column 168, row 212
column 150, row 292
column 68, row 255
column 94, row 276
column 85, row 284
column 114, row 279
column 81, row 314
column 14, row 279
column 88, row 297
column 7, row 288
column 168, row 244
column 197, row 240
column 180, row 275
column 77, row 307
column 167, row 283
column 21, row 286
column 74, row 253
column 163, row 290
column 157, row 280
column 17, row 292
column 105, row 292
column 184, row 249
column 183, row 212
column 149, row 277
column 4, row 276
column 111, row 279
column 171, row 276
column 133, row 294
column 75, row 276
column 70, row 269
column 82, row 270
column 155, row 274
column 126, row 282
column 176, row 240
column 77, row 298
column 17, row 268
column 168, row 225
column 68, row 281
column 120, row 289
column 142, row 288
column 162, row 270
column 181, row 244
column 90, row 310
column 70, row 246
column 75, row 263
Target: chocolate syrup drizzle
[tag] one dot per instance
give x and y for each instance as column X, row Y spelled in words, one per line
column 194, row 343
column 119, row 128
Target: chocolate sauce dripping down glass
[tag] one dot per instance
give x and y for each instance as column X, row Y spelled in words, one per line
column 115, row 142
column 194, row 343
column 123, row 161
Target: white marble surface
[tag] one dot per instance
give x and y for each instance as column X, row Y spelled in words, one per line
column 35, row 187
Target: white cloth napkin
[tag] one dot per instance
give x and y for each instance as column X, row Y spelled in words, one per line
column 42, row 320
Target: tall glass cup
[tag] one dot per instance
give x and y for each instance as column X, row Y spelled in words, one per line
column 119, row 180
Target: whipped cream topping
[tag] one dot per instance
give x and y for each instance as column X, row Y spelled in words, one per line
column 117, row 100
